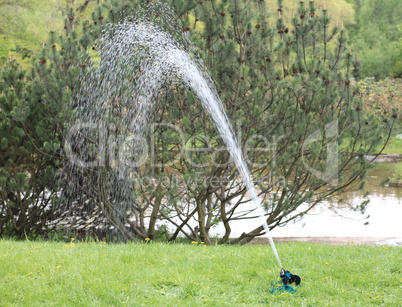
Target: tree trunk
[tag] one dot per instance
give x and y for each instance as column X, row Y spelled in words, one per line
column 201, row 222
column 154, row 213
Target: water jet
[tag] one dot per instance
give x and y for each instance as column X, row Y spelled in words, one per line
column 136, row 59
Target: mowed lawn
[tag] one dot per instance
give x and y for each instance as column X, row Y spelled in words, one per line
column 39, row 273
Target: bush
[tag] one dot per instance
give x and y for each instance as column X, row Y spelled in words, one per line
column 29, row 155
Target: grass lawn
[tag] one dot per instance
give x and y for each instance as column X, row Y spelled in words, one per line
column 159, row 274
column 394, row 146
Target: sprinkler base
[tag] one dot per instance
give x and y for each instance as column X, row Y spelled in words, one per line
column 286, row 278
column 285, row 288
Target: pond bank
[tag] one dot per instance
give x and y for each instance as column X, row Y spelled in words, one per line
column 391, row 158
column 390, row 241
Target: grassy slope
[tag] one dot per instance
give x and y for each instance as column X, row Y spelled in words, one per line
column 155, row 274
column 394, row 146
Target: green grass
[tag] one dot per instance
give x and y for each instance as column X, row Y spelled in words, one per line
column 394, row 146
column 158, row 274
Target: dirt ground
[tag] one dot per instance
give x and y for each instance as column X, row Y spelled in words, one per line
column 335, row 240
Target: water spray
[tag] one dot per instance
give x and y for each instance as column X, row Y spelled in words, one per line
column 287, row 278
column 141, row 43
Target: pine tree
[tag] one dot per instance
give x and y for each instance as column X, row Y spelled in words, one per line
column 35, row 110
column 286, row 87
column 29, row 155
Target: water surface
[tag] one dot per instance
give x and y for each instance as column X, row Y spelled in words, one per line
column 381, row 218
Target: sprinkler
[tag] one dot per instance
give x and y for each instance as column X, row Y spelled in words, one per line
column 287, row 279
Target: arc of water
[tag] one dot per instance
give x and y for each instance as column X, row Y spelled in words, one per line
column 166, row 60
column 203, row 86
column 214, row 106
column 271, row 242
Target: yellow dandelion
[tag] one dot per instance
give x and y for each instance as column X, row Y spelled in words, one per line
column 194, row 242
column 37, row 247
column 30, row 273
column 58, row 266
column 147, row 239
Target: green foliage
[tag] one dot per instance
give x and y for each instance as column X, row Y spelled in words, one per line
column 97, row 274
column 25, row 24
column 375, row 35
column 284, row 84
column 340, row 11
column 397, row 65
column 382, row 97
column 34, row 107
column 281, row 83
column 5, row 48
column 28, row 155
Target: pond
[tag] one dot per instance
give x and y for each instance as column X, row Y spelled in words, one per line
column 381, row 219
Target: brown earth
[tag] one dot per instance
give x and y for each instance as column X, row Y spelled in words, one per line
column 333, row 240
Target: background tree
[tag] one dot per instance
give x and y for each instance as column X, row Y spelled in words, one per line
column 29, row 155
column 291, row 79
column 286, row 87
column 25, row 24
column 34, row 106
column 376, row 25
